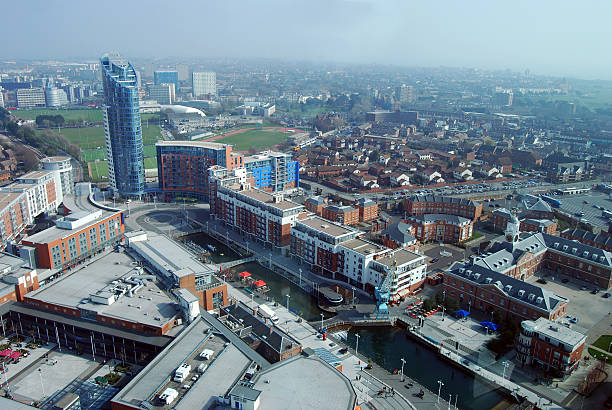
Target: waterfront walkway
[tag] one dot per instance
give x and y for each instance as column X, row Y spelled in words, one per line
column 367, row 384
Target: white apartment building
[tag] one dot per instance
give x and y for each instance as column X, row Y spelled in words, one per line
column 203, row 83
column 63, row 166
column 30, row 98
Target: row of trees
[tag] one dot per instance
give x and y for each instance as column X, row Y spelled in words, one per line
column 46, row 121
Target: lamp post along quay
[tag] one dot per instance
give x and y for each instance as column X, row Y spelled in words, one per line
column 357, row 345
column 288, row 296
column 402, row 374
column 440, row 384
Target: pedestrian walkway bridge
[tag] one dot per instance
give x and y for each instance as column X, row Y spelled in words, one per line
column 231, row 264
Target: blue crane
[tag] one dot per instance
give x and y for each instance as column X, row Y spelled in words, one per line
column 383, row 294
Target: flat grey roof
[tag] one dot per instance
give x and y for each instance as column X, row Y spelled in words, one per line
column 363, row 247
column 402, row 256
column 225, row 370
column 304, row 383
column 323, row 225
column 200, row 144
column 71, row 290
column 9, row 262
column 146, row 383
column 556, row 331
column 171, row 256
column 268, row 199
column 53, row 233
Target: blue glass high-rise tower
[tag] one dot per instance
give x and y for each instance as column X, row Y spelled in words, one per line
column 122, row 127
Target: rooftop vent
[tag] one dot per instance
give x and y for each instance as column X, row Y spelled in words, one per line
column 574, row 250
column 521, row 293
column 508, row 288
column 476, row 276
column 324, row 226
column 488, row 280
column 594, row 257
column 565, row 247
column 461, row 270
column 585, row 254
column 531, row 297
column 539, row 300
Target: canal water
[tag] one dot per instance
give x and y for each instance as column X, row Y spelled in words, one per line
column 386, row 346
column 222, row 252
column 300, row 301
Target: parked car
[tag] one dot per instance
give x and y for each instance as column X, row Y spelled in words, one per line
column 606, row 295
column 565, row 280
column 344, row 350
column 574, row 320
column 542, row 281
column 434, row 260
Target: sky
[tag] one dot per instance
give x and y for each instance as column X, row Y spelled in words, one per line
column 560, row 37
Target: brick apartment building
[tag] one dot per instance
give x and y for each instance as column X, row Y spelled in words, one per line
column 182, row 166
column 263, row 216
column 75, row 238
column 550, row 345
column 342, row 214
column 539, row 225
column 441, row 228
column 315, row 204
column 434, row 204
column 368, row 210
column 14, row 217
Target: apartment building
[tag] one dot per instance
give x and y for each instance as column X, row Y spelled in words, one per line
column 441, row 228
column 434, row 204
column 342, row 214
column 368, row 210
column 550, row 345
column 75, row 238
column 315, row 204
column 182, row 166
column 272, row 171
column 337, row 251
column 262, row 216
column 14, row 217
column 30, row 98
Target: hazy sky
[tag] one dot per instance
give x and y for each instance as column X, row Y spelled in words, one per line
column 558, row 37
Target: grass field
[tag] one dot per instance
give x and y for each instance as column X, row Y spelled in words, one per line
column 90, row 155
column 93, row 137
column 257, row 139
column 99, row 171
column 603, row 342
column 71, row 116
column 150, row 163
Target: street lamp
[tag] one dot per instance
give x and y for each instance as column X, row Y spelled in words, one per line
column 321, row 322
column 506, row 364
column 357, row 344
column 440, row 384
column 450, row 397
column 300, row 270
column 403, row 362
column 288, row 302
column 42, row 386
column 469, row 305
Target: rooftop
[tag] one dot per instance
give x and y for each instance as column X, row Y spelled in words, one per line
column 323, row 225
column 199, row 144
column 170, row 256
column 54, row 159
column 432, row 218
column 517, row 289
column 7, row 198
column 304, row 383
column 402, row 256
column 555, row 330
column 447, row 199
column 363, row 247
column 149, row 305
column 54, row 233
column 35, row 174
column 268, row 199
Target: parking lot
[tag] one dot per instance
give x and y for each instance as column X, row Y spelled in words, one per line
column 575, row 204
column 49, row 376
column 588, row 308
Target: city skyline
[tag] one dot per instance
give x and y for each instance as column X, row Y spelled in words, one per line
column 543, row 37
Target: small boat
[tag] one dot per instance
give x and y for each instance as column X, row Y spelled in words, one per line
column 212, row 248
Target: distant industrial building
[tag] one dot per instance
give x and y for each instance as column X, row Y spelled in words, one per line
column 55, row 97
column 162, row 93
column 204, row 83
column 166, row 77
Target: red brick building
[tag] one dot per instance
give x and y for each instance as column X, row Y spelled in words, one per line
column 550, row 345
column 539, row 225
column 14, row 216
column 76, row 237
column 345, row 215
column 499, row 218
column 476, row 287
column 368, row 210
column 441, row 228
column 433, row 204
column 316, row 204
column 602, row 240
